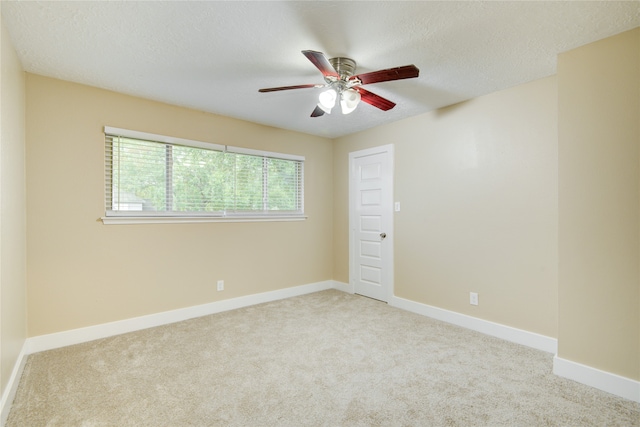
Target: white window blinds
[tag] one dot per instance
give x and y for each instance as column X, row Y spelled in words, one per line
column 153, row 175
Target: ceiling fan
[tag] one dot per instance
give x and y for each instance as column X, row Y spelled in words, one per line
column 342, row 85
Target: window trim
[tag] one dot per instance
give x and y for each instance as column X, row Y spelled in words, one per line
column 142, row 217
column 124, row 220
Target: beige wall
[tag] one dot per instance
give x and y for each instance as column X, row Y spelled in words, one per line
column 82, row 272
column 477, row 184
column 599, row 212
column 13, row 330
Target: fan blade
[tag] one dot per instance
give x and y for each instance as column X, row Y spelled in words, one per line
column 398, row 73
column 375, row 100
column 274, row 89
column 321, row 62
column 317, row 112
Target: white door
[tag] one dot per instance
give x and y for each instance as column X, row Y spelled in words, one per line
column 371, row 222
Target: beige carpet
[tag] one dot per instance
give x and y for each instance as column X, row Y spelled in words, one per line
column 324, row 359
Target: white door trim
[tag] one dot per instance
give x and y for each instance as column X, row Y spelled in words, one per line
column 389, row 261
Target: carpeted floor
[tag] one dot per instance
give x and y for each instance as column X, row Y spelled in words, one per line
column 324, row 359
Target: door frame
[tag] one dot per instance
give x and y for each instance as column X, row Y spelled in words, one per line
column 388, row 276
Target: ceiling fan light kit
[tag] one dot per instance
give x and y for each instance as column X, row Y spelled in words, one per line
column 341, row 83
column 327, row 100
column 349, row 100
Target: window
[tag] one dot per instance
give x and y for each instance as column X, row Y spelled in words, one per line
column 153, row 176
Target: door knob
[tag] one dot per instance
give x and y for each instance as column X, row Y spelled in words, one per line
column 383, row 235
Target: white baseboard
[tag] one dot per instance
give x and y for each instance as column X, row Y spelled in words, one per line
column 508, row 333
column 620, row 386
column 342, row 286
column 602, row 380
column 12, row 385
column 90, row 333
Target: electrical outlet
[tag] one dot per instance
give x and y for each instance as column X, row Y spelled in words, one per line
column 473, row 298
column 221, row 285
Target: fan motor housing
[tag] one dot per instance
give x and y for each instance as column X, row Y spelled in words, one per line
column 345, row 67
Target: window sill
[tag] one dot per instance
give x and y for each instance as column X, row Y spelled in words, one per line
column 111, row 220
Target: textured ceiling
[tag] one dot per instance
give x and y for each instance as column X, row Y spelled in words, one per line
column 214, row 56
